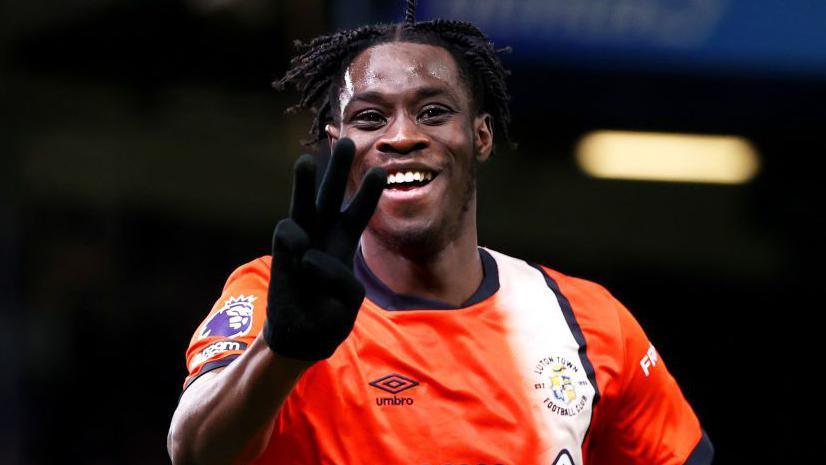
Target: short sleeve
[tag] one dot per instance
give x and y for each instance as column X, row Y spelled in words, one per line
column 233, row 323
column 651, row 422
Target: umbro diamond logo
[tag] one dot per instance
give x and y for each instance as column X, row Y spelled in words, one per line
column 564, row 458
column 394, row 383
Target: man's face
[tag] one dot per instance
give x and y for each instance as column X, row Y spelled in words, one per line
column 407, row 109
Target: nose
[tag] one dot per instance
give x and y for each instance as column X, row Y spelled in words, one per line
column 403, row 136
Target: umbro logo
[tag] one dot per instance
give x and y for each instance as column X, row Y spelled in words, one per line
column 394, row 383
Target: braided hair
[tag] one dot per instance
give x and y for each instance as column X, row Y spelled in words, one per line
column 318, row 69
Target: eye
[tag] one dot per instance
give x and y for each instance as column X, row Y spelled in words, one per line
column 434, row 114
column 368, row 119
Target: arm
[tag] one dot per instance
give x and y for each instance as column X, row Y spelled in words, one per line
column 227, row 413
column 651, row 422
column 312, row 302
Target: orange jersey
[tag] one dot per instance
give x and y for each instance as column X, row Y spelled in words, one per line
column 536, row 368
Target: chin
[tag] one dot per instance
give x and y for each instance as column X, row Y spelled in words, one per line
column 422, row 234
column 418, row 241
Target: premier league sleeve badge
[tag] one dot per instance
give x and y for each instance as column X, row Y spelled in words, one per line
column 232, row 320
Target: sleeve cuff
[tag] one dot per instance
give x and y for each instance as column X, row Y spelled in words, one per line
column 703, row 453
column 209, row 366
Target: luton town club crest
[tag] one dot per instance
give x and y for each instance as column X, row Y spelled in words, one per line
column 563, row 385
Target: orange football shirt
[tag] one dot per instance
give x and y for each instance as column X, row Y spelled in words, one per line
column 535, row 368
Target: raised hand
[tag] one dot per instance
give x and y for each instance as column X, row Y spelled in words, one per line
column 314, row 296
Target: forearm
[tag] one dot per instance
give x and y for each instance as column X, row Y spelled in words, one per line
column 230, row 414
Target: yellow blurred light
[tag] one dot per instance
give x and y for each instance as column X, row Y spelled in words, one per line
column 667, row 157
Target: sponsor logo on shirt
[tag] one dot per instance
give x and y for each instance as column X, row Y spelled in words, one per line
column 394, row 384
column 649, row 360
column 216, row 348
column 563, row 384
column 232, row 320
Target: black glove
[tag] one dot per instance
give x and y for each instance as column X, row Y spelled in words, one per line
column 313, row 295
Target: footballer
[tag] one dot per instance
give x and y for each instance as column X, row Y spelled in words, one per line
column 380, row 332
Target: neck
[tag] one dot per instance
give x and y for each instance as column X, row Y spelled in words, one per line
column 451, row 275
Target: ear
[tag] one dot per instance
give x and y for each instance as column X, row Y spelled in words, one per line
column 333, row 133
column 483, row 136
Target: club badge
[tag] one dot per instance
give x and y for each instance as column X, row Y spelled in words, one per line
column 563, row 384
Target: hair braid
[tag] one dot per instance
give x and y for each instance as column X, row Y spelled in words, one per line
column 410, row 13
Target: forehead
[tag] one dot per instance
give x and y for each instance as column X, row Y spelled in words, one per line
column 396, row 66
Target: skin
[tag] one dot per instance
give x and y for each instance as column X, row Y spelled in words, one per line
column 421, row 243
column 406, row 105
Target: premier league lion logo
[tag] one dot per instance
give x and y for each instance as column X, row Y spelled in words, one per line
column 232, row 320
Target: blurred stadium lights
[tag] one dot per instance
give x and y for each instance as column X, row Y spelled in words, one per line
column 667, row 157
column 665, row 23
column 690, row 35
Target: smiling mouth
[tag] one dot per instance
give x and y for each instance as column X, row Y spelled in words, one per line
column 406, row 180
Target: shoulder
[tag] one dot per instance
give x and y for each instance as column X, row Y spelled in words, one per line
column 603, row 319
column 254, row 272
column 591, row 303
column 599, row 322
column 583, row 290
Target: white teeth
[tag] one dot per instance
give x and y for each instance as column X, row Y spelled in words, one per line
column 409, row 176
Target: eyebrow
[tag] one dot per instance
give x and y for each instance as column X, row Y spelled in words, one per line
column 420, row 93
column 427, row 92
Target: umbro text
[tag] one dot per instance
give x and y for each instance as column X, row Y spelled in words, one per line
column 382, row 401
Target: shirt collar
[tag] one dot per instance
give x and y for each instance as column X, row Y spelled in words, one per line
column 385, row 298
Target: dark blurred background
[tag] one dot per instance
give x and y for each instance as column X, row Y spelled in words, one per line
column 145, row 156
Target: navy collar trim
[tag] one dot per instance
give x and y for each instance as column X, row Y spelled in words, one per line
column 385, row 298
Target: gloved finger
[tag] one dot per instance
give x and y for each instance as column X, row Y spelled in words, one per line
column 334, row 277
column 361, row 209
column 332, row 188
column 289, row 242
column 302, row 206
